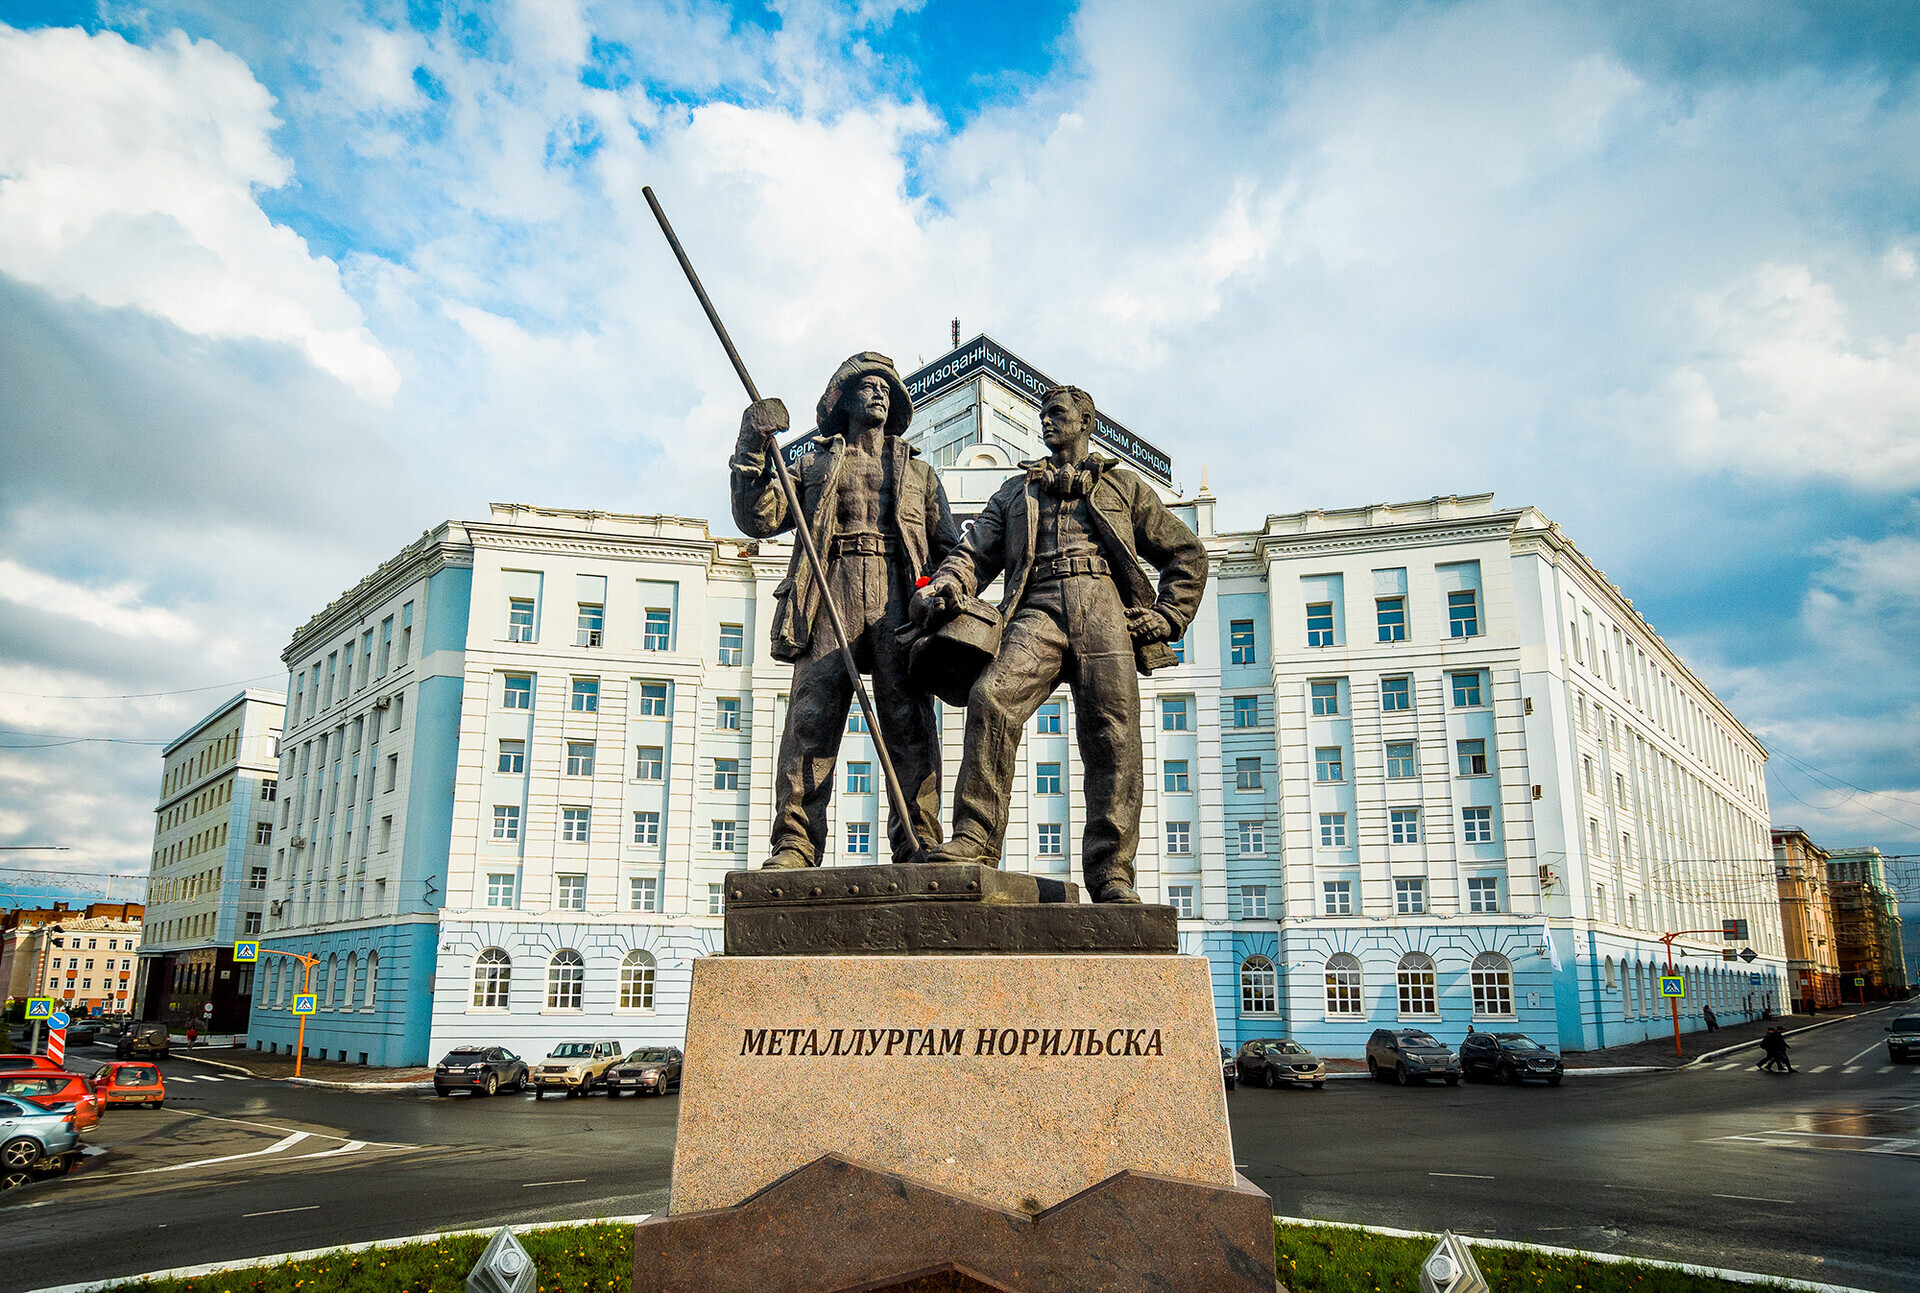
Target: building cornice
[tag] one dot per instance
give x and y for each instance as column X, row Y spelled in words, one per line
column 704, row 553
column 1426, row 533
column 434, row 551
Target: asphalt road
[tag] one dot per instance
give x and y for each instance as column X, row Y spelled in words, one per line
column 1810, row 1175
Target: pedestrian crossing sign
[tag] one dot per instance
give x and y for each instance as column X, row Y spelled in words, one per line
column 1673, row 985
column 39, row 1007
column 303, row 1003
column 248, row 950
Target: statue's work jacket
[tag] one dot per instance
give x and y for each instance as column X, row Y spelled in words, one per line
column 922, row 526
column 1131, row 523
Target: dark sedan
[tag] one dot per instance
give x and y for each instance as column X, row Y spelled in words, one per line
column 481, row 1070
column 651, row 1070
column 1409, row 1055
column 1510, row 1057
column 1278, row 1061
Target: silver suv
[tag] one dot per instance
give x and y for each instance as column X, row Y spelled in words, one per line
column 1410, row 1055
column 574, row 1067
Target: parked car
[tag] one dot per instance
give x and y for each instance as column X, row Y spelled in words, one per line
column 1903, row 1037
column 1276, row 1061
column 10, row 1063
column 123, row 1082
column 1229, row 1067
column 1510, row 1057
column 34, row 1141
column 82, row 1033
column 146, row 1040
column 59, row 1092
column 574, row 1067
column 1410, row 1055
column 653, row 1071
column 481, row 1070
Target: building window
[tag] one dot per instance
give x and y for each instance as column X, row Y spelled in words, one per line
column 256, row 879
column 860, row 839
column 1419, row 993
column 726, row 774
column 1246, row 711
column 1046, row 778
column 586, row 696
column 592, row 625
column 1472, row 758
column 723, row 835
column 519, row 619
column 502, row 888
column 506, row 821
column 1492, row 986
column 659, row 630
column 513, row 756
column 1253, row 902
column 1259, row 987
column 1483, row 893
column 1333, row 830
column 649, row 763
column 1173, row 777
column 1319, row 624
column 856, row 719
column 250, row 924
column 1403, row 825
column 1343, row 985
column 653, row 700
column 1586, row 766
column 1246, row 773
column 1326, row 698
column 1173, row 713
column 726, row 713
column 1620, row 789
column 1466, row 689
column 1477, row 825
column 1240, row 642
column 733, row 644
column 386, row 647
column 859, row 778
column 1463, row 614
column 1392, row 615
column 518, row 693
column 646, row 829
column 492, row 976
column 1253, row 838
column 579, row 758
column 263, row 832
column 1396, row 694
column 1329, row 764
column 1180, row 898
column 566, row 980
column 1410, row 897
column 1179, row 647
column 1049, row 842
column 1180, row 838
column 716, row 900
column 643, row 893
column 1400, row 760
column 571, row 890
column 574, row 823
column 393, row 772
column 270, row 788
column 636, row 981
column 1047, row 721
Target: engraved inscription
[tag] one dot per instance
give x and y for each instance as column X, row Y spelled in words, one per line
column 1124, row 1043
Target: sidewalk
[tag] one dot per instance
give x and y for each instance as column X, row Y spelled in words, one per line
column 361, row 1077
column 1658, row 1052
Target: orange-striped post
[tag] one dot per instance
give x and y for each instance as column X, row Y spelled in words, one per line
column 300, row 1046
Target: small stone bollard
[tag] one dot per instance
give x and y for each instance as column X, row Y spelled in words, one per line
column 504, row 1268
column 1450, row 1268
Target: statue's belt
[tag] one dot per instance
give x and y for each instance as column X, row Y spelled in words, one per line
column 1065, row 567
column 860, row 545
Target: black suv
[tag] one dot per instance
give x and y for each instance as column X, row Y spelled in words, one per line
column 651, row 1070
column 149, row 1039
column 1511, row 1057
column 481, row 1070
column 1410, row 1055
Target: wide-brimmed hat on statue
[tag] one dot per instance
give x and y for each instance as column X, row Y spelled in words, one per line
column 867, row 363
column 946, row 661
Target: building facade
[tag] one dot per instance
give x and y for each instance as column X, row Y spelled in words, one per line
column 1866, row 920
column 1806, row 918
column 212, row 835
column 83, row 958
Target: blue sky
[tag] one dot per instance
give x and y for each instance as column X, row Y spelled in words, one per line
column 282, row 285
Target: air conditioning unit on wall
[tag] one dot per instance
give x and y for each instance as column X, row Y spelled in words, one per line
column 382, row 702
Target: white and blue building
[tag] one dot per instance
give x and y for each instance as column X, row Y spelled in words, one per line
column 1421, row 765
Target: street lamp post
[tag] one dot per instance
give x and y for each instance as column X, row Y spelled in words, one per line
column 1668, row 940
column 300, row 1046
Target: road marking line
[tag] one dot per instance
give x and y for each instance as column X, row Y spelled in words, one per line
column 1823, row 1068
column 1871, row 1046
column 1851, row 1068
column 1461, row 1176
column 1728, row 1068
column 347, row 1148
column 274, row 1148
column 1752, row 1198
column 528, row 1185
column 311, row 1207
column 1884, row 1068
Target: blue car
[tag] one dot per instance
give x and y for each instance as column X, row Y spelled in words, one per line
column 33, row 1142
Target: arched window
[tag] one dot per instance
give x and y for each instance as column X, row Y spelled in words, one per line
column 273, row 985
column 1343, row 985
column 373, row 980
column 350, row 991
column 1492, row 986
column 345, row 972
column 1611, row 981
column 636, row 981
column 492, row 975
column 566, row 980
column 1259, row 987
column 326, row 985
column 1419, row 994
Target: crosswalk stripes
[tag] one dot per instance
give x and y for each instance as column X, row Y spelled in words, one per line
column 1823, row 1068
column 1884, row 1068
column 1728, row 1068
column 1851, row 1068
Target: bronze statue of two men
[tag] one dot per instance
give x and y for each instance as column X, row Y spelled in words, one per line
column 1066, row 536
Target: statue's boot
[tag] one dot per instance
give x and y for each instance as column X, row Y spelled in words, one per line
column 1117, row 891
column 786, row 860
column 959, row 850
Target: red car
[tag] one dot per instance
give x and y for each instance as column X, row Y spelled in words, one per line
column 124, row 1083
column 56, row 1092
column 10, row 1063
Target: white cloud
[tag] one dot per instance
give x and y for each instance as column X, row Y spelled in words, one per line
column 127, row 177
column 116, row 608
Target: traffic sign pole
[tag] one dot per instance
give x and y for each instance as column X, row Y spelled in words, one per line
column 300, row 1046
column 1727, row 929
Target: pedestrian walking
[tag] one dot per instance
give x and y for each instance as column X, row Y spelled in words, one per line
column 1713, row 1020
column 193, row 1035
column 1769, row 1051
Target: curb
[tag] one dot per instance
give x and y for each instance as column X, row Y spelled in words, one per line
column 307, row 1081
column 1712, row 1272
column 255, row 1263
column 1804, row 1028
column 1618, row 1070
